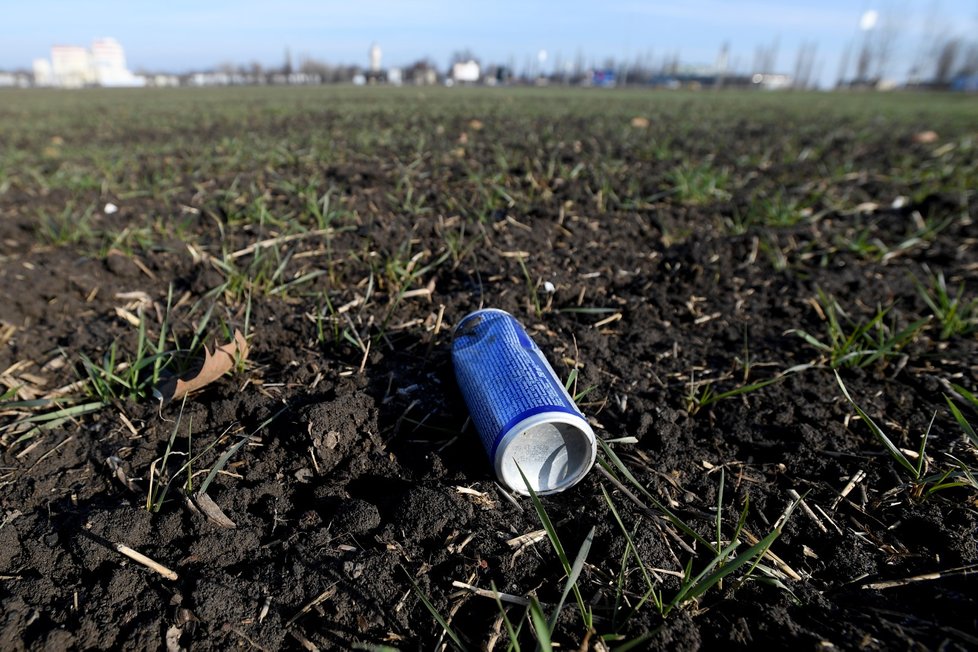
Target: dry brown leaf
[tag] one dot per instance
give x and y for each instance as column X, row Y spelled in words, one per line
column 215, row 365
column 212, row 511
column 925, row 137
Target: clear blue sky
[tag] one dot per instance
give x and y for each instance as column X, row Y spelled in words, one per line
column 181, row 35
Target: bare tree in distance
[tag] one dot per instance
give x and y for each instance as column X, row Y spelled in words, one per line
column 926, row 46
column 885, row 36
column 804, row 63
column 947, row 54
column 579, row 66
column 969, row 61
column 671, row 63
column 287, row 64
column 464, row 55
column 876, row 36
column 765, row 57
column 941, row 53
column 840, row 78
column 420, row 72
column 865, row 59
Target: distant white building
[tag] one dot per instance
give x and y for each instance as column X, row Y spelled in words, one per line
column 14, row 80
column 43, row 74
column 160, row 81
column 73, row 66
column 771, row 81
column 375, row 57
column 465, row 71
column 109, row 64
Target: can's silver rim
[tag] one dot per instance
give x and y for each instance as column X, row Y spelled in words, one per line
column 476, row 313
column 587, row 444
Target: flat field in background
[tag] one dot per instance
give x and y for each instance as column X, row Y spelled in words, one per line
column 765, row 302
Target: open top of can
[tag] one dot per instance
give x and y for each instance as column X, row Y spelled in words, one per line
column 473, row 319
column 555, row 450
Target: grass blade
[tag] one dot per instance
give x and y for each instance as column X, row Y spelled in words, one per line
column 628, row 538
column 513, row 633
column 223, row 460
column 540, row 624
column 51, row 420
column 894, row 452
column 737, row 391
column 630, row 548
column 971, row 398
column 921, row 452
column 63, row 413
column 673, row 518
column 572, row 578
column 554, row 541
column 707, row 577
column 434, row 612
column 585, row 310
column 711, row 575
column 638, row 642
column 963, row 422
column 810, row 339
column 719, row 517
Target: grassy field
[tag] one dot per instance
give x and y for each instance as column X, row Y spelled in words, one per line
column 765, row 302
column 254, row 149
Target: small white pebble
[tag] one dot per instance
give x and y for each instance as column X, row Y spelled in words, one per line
column 548, row 287
column 899, row 202
column 111, row 208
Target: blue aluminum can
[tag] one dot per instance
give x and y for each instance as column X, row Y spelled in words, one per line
column 523, row 414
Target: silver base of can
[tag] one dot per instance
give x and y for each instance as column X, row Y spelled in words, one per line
column 555, row 450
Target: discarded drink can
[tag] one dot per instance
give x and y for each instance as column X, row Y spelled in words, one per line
column 523, row 413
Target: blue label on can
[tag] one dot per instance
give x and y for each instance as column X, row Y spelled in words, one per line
column 503, row 375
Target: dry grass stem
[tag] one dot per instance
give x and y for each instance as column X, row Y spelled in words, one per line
column 808, row 510
column 322, row 597
column 925, row 577
column 505, row 597
column 140, row 558
column 780, row 563
column 856, row 478
column 271, row 242
column 527, row 539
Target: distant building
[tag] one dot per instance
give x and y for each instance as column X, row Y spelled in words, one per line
column 964, row 83
column 604, row 78
column 374, row 73
column 109, row 63
column 43, row 74
column 163, row 80
column 771, row 81
column 695, row 79
column 14, row 80
column 375, row 57
column 496, row 75
column 72, row 66
column 420, row 73
column 466, row 72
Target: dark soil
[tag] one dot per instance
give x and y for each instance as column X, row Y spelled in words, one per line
column 347, row 504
